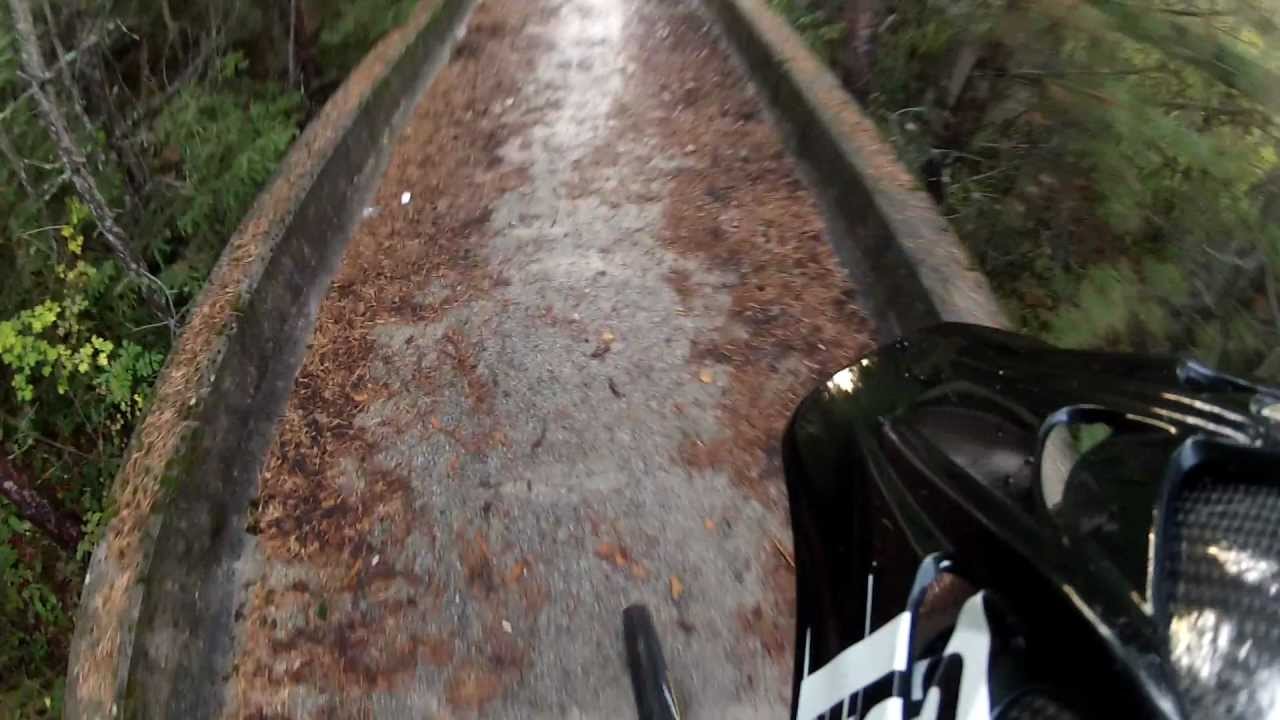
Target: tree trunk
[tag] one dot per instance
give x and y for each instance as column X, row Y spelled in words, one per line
column 56, row 123
column 861, row 19
column 293, row 43
column 61, row 527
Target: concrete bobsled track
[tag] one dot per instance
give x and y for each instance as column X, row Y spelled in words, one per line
column 489, row 362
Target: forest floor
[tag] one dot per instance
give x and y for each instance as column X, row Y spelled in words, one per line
column 549, row 381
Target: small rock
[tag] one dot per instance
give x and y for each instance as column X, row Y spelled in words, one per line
column 506, row 627
column 405, row 197
column 706, row 376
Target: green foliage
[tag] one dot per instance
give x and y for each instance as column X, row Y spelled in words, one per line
column 80, row 346
column 73, row 374
column 814, row 24
column 1114, row 167
column 229, row 144
column 53, row 348
column 31, row 616
column 352, row 27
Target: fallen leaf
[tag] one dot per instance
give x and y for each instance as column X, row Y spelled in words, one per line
column 638, row 571
column 607, row 337
column 436, row 424
column 677, row 588
column 605, row 551
column 709, row 524
column 620, row 558
column 706, row 376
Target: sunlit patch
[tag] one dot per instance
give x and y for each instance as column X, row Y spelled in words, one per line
column 1248, row 567
column 1217, row 652
column 847, row 380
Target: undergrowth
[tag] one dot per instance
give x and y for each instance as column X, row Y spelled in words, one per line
column 213, row 110
column 1113, row 167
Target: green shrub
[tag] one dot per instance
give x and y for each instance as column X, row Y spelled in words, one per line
column 815, row 25
column 80, row 345
column 1113, row 167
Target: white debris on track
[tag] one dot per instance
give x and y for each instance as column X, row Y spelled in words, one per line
column 553, row 390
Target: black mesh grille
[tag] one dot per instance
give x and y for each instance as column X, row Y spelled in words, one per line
column 1224, row 602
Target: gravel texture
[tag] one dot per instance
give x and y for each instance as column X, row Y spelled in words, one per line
column 548, row 385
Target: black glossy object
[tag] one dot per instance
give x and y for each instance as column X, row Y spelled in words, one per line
column 650, row 681
column 1115, row 517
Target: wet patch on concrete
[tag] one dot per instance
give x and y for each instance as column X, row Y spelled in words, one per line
column 494, row 444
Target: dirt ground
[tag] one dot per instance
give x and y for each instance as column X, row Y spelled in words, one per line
column 549, row 381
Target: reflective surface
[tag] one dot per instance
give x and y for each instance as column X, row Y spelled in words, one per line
column 1065, row 484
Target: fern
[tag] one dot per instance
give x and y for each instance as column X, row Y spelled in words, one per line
column 229, row 149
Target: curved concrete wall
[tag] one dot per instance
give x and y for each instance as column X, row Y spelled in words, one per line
column 152, row 636
column 896, row 244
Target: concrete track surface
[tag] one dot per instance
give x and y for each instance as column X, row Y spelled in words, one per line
column 548, row 381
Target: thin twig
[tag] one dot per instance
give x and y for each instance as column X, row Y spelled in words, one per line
column 1244, row 263
column 29, row 233
column 19, row 165
column 783, row 552
column 68, row 58
column 42, row 439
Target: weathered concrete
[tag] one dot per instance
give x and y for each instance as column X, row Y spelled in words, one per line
column 888, row 231
column 550, row 385
column 547, row 384
column 151, row 637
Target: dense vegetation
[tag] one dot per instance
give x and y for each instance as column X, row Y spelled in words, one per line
column 134, row 136
column 1112, row 165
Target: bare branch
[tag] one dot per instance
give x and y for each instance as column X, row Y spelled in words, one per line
column 61, row 527
column 74, row 161
column 19, row 165
column 67, row 59
column 155, row 102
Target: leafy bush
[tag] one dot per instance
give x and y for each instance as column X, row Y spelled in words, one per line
column 1114, row 167
column 229, row 135
column 350, row 29
column 204, row 110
